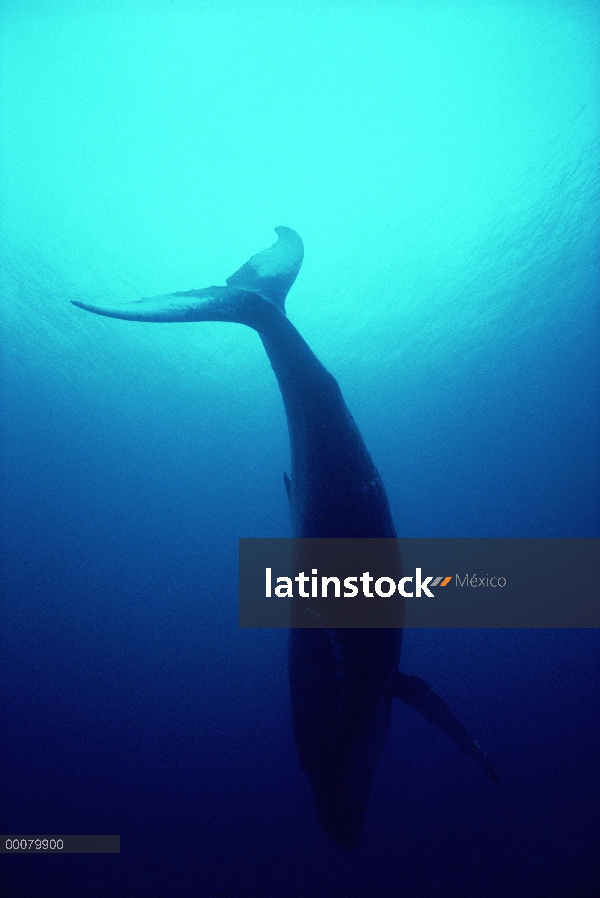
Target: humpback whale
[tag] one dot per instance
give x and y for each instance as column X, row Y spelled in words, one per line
column 342, row 681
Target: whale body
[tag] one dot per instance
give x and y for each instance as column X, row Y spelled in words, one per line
column 342, row 681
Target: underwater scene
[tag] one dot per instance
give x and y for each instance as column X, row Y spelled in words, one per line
column 431, row 169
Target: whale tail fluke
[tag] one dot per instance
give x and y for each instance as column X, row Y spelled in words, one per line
column 209, row 304
column 268, row 275
column 272, row 272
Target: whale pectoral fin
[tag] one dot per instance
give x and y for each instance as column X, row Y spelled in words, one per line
column 272, row 272
column 420, row 696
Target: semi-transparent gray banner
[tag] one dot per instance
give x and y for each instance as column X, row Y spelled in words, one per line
column 419, row 583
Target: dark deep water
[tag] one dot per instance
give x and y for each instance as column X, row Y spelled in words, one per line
column 445, row 186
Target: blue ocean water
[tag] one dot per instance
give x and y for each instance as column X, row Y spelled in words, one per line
column 440, row 162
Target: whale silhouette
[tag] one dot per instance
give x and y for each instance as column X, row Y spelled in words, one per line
column 342, row 681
